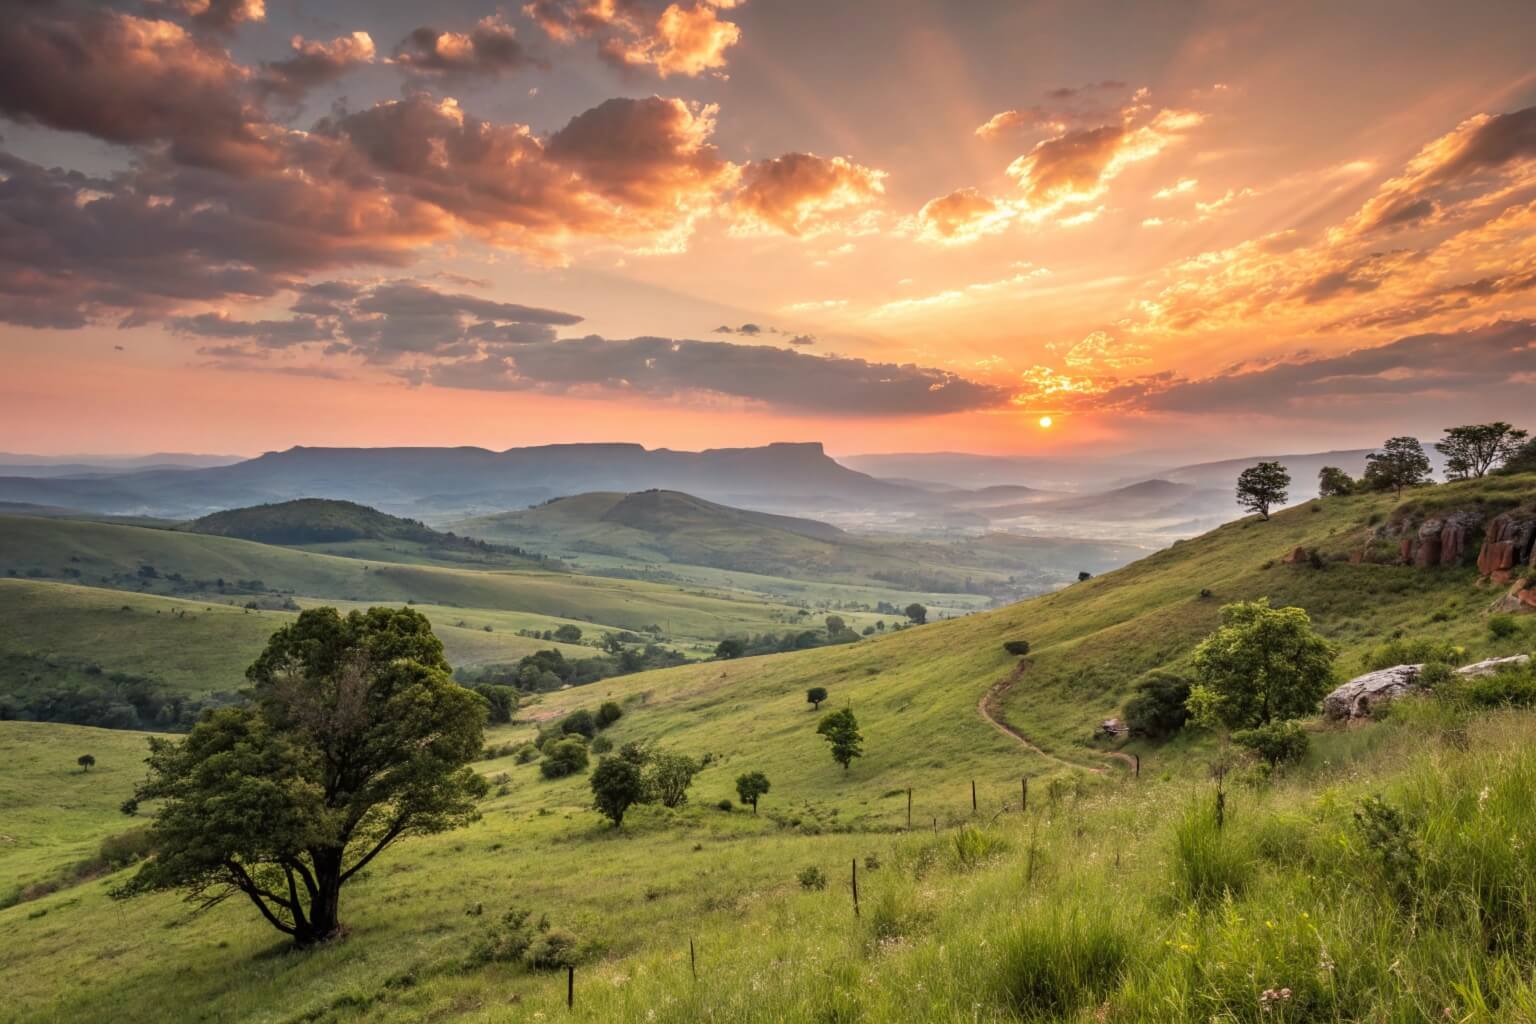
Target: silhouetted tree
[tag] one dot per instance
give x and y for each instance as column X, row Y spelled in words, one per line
column 1400, row 463
column 815, row 695
column 729, row 648
column 1333, row 482
column 917, row 613
column 86, row 762
column 1471, row 451
column 1262, row 486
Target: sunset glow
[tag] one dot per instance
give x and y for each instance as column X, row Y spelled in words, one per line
column 710, row 223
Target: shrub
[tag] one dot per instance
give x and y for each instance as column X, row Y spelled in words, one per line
column 601, row 745
column 581, row 723
column 1159, row 708
column 564, row 757
column 668, row 777
column 1502, row 626
column 811, row 878
column 1510, row 688
column 1387, row 835
column 608, row 713
column 1018, row 648
column 568, row 634
column 502, row 701
column 126, row 848
column 526, row 753
column 1417, row 651
column 1278, row 743
column 1054, row 963
column 552, row 950
column 725, row 804
column 972, row 846
column 1208, row 862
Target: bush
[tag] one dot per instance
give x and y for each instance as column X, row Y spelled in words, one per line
column 1511, row 688
column 581, row 723
column 552, row 950
column 1053, row 964
column 811, row 878
column 526, row 753
column 601, row 745
column 126, row 848
column 608, row 713
column 1276, row 744
column 1502, row 626
column 502, row 701
column 668, row 777
column 1159, row 708
column 1019, row 648
column 972, row 846
column 725, row 804
column 564, row 757
column 1418, row 651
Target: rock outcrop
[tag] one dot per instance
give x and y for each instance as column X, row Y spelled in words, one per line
column 1441, row 540
column 1357, row 698
column 1509, row 545
column 1361, row 696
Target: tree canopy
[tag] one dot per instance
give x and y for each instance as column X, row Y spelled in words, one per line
column 616, row 786
column 1333, row 482
column 917, row 613
column 841, row 730
column 1471, row 451
column 751, row 787
column 1262, row 486
column 1263, row 664
column 1400, row 463
column 355, row 737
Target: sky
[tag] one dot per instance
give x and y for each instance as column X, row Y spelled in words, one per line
column 1219, row 228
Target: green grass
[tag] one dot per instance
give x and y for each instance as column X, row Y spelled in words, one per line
column 1111, row 899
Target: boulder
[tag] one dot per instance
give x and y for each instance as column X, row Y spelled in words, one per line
column 1356, row 698
column 1440, row 540
column 1479, row 669
column 1359, row 697
column 1509, row 543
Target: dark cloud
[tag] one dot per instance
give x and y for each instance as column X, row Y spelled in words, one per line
column 1492, row 360
column 130, row 81
column 215, row 15
column 490, row 48
column 1455, row 167
column 314, row 63
column 1066, row 92
column 777, row 377
column 748, row 329
column 383, row 323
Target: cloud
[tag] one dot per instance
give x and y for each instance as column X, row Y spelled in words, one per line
column 678, row 39
column 1482, row 154
column 314, row 63
column 130, row 81
column 218, row 15
column 804, row 194
column 666, row 369
column 490, row 48
column 1100, row 350
column 751, row 330
column 1076, row 166
column 384, row 322
column 963, row 216
column 1069, row 105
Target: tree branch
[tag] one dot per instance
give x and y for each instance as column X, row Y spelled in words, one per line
column 390, row 835
column 254, row 892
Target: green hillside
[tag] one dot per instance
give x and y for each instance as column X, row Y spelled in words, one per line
column 1103, row 902
column 347, row 528
column 671, row 527
column 203, row 567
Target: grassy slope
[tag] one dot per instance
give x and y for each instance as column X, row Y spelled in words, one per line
column 193, row 647
column 104, row 554
column 727, row 879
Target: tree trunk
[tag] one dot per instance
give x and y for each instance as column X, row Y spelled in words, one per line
column 325, row 904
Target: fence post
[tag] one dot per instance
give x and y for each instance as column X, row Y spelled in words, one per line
column 693, row 963
column 909, row 808
column 855, row 887
column 1138, row 764
column 973, row 796
column 570, row 987
column 1024, row 794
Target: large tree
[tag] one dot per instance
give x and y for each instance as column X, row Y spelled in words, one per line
column 1263, row 664
column 841, row 730
column 1261, row 486
column 1400, row 463
column 1471, row 451
column 1523, row 460
column 355, row 736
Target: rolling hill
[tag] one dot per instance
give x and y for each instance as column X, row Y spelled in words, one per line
column 1096, row 849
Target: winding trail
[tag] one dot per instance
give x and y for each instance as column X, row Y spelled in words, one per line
column 990, row 707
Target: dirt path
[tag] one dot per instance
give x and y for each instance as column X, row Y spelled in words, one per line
column 990, row 707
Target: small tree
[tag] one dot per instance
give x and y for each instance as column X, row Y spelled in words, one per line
column 1471, row 451
column 814, row 696
column 568, row 634
column 579, row 723
column 501, row 700
column 669, row 775
column 1333, row 482
column 1400, row 463
column 917, row 613
column 616, row 786
column 1084, row 576
column 1262, row 665
column 835, row 625
column 730, row 648
column 1018, row 648
column 355, row 736
column 86, row 762
column 751, row 787
column 841, row 729
column 1262, row 486
column 1276, row 744
column 1523, row 460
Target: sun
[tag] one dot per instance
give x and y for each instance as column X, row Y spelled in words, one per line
column 1045, row 422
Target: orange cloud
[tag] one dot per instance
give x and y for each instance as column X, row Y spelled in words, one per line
column 804, row 194
column 313, row 63
column 1076, row 166
column 963, row 216
column 491, row 47
column 679, row 39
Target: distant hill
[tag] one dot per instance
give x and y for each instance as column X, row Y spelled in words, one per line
column 317, row 521
column 1149, row 499
column 1303, row 469
column 967, row 470
column 454, row 482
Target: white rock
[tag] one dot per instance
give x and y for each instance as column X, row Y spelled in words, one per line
column 1492, row 665
column 1356, row 698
